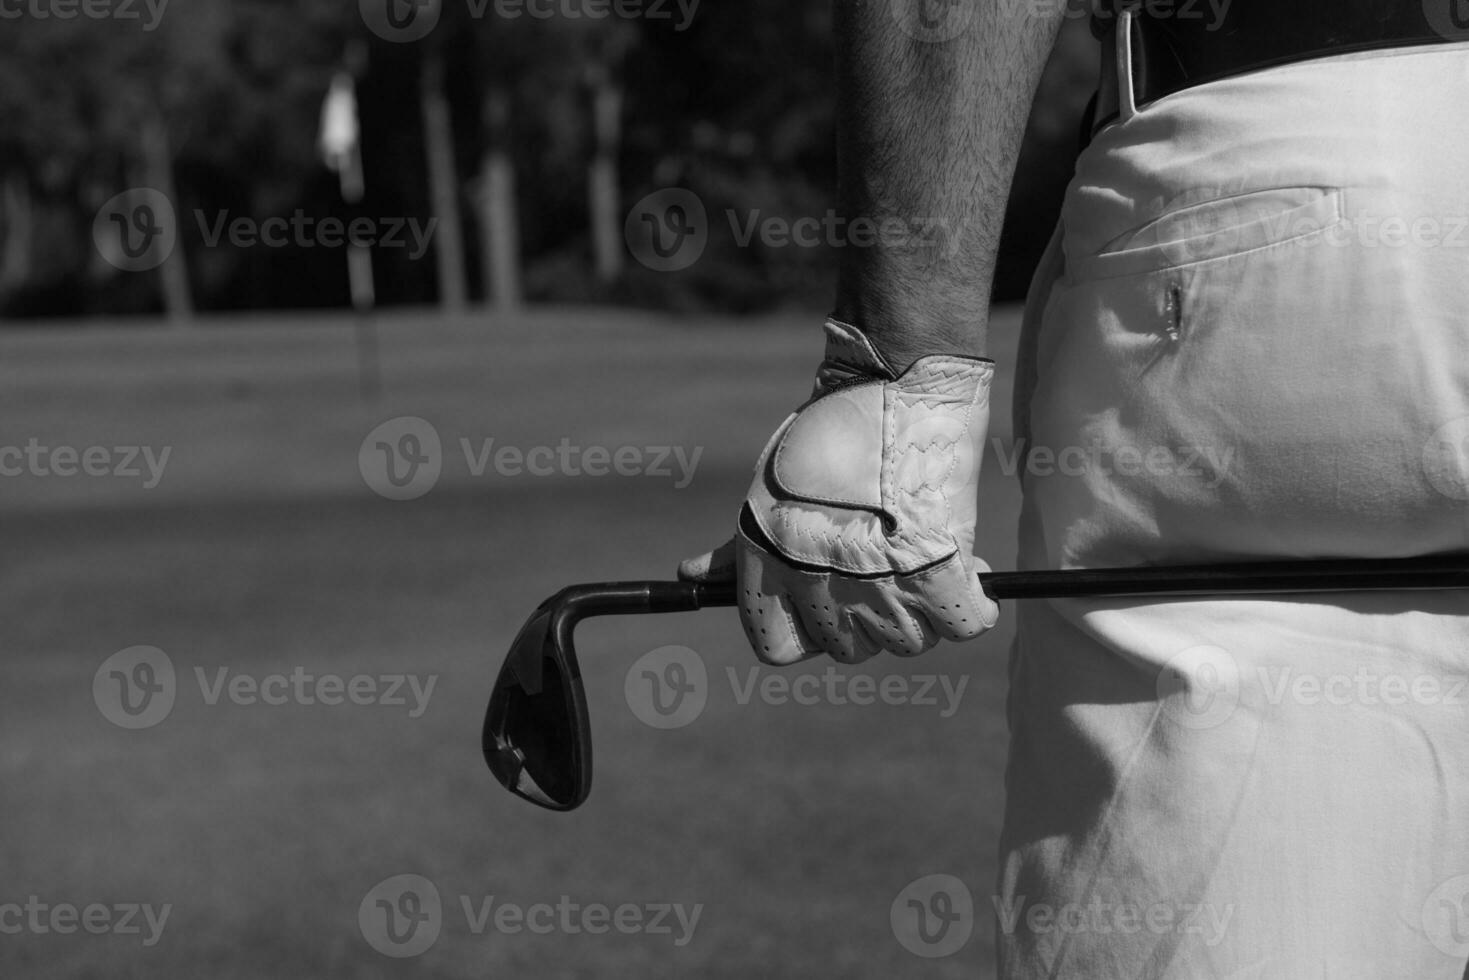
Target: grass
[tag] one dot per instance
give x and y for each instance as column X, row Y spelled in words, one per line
column 262, row 551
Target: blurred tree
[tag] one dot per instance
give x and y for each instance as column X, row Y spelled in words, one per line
column 218, row 106
column 495, row 196
column 17, row 231
column 443, row 174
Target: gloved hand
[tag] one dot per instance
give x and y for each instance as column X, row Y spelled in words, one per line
column 856, row 535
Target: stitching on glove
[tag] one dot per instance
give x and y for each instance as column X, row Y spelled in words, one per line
column 916, row 537
column 837, row 546
column 894, row 563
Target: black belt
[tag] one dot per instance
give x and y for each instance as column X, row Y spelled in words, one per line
column 1178, row 44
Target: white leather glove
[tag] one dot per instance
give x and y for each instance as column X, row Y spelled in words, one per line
column 857, row 533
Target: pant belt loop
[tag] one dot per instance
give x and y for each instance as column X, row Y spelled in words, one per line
column 1126, row 103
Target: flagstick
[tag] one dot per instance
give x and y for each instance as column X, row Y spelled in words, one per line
column 340, row 142
column 369, row 372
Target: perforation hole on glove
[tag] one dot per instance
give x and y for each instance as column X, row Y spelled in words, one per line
column 751, row 615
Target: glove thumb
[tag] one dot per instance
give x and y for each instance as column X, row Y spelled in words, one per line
column 712, row 566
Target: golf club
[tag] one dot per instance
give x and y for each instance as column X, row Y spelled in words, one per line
column 537, row 738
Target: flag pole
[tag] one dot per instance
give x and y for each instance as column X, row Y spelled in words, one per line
column 341, row 147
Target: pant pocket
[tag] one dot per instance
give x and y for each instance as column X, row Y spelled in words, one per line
column 1196, row 227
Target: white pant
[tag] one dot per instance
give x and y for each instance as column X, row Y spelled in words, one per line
column 1250, row 340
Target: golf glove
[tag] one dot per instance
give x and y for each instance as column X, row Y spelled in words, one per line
column 857, row 534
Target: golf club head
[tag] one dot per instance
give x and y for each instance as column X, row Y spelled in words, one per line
column 537, row 739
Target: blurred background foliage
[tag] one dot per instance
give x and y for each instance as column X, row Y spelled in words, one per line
column 218, row 107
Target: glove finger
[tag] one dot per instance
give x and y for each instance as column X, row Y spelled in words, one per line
column 774, row 630
column 827, row 614
column 898, row 629
column 834, row 629
column 712, row 566
column 950, row 596
column 768, row 614
column 989, row 608
column 867, row 642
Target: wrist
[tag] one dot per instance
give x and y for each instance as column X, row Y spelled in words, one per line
column 851, row 357
column 918, row 312
column 903, row 334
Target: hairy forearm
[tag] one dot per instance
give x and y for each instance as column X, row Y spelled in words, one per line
column 928, row 134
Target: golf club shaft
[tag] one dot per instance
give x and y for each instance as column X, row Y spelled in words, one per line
column 1322, row 575
column 1248, row 578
